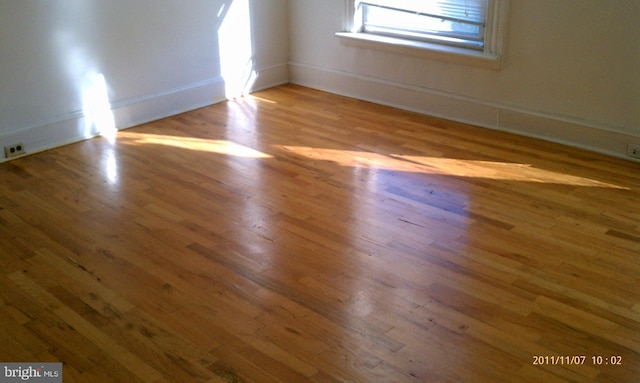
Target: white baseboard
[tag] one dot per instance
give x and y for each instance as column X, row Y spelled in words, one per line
column 589, row 135
column 271, row 76
column 72, row 126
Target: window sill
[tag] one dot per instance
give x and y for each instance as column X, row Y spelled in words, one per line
column 423, row 50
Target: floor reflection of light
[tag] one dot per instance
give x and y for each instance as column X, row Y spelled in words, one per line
column 236, row 51
column 193, row 143
column 445, row 166
column 242, row 117
column 111, row 168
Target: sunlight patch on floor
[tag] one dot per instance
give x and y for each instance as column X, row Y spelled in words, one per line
column 492, row 170
column 445, row 166
column 262, row 99
column 206, row 145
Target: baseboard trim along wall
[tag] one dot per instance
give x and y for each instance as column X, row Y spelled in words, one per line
column 73, row 126
column 593, row 136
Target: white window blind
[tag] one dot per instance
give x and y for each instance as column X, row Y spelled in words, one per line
column 450, row 22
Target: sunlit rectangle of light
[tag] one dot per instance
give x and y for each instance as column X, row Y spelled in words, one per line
column 194, row 143
column 501, row 171
column 445, row 166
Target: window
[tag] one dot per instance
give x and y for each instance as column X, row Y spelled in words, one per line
column 453, row 22
column 466, row 31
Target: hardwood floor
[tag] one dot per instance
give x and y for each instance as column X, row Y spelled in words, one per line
column 299, row 236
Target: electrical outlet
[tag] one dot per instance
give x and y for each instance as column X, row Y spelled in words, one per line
column 14, row 150
column 633, row 150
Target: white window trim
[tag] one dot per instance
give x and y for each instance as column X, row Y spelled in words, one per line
column 490, row 57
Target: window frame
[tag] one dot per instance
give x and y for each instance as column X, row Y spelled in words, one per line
column 489, row 57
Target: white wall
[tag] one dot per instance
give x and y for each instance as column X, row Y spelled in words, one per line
column 571, row 71
column 156, row 57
